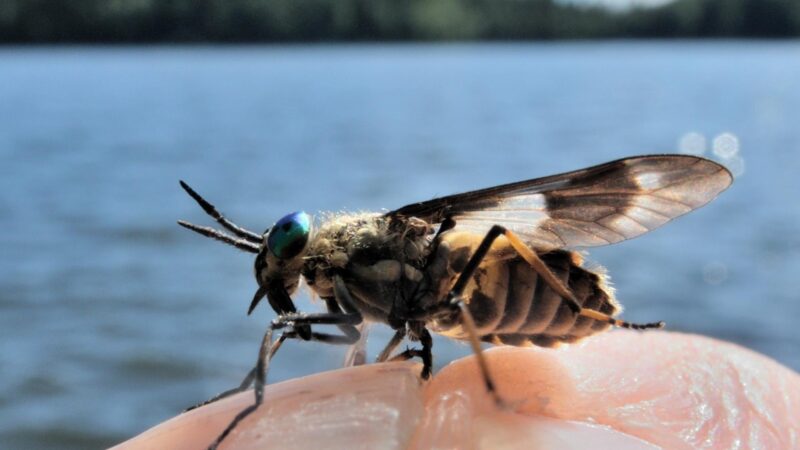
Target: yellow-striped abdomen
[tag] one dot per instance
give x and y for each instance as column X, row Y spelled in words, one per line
column 511, row 304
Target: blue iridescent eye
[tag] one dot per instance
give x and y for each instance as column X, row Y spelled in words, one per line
column 289, row 235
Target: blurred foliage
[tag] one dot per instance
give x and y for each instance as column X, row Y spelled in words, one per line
column 53, row 21
column 716, row 18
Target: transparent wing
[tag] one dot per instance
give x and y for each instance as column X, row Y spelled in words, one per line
column 599, row 205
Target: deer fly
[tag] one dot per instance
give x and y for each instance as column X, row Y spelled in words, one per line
column 496, row 265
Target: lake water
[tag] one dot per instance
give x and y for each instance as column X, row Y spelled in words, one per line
column 114, row 318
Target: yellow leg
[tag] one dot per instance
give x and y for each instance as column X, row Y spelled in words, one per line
column 468, row 323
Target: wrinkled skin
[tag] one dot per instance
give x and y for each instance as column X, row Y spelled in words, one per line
column 618, row 390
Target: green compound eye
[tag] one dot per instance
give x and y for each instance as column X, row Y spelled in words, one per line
column 289, row 235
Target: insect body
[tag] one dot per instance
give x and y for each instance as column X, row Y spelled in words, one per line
column 495, row 264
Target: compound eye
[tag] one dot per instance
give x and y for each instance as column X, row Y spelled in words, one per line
column 289, row 235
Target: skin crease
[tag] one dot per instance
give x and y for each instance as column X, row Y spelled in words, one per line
column 621, row 389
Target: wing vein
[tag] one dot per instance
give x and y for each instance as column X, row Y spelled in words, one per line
column 598, row 205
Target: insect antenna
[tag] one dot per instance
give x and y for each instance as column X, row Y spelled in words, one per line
column 241, row 244
column 212, row 211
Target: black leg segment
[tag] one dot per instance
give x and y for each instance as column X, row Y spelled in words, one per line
column 398, row 337
column 248, row 380
column 423, row 353
column 268, row 349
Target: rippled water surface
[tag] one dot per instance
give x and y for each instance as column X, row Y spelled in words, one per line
column 114, row 318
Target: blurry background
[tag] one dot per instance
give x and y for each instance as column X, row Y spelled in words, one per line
column 113, row 318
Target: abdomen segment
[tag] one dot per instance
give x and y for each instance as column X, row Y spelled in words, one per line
column 513, row 305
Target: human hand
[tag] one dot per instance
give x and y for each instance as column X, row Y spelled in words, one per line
column 621, row 389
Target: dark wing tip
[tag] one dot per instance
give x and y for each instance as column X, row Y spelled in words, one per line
column 722, row 180
column 725, row 176
column 716, row 176
column 710, row 164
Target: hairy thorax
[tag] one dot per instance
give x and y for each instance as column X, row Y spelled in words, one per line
column 380, row 261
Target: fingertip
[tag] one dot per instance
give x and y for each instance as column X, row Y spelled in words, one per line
column 461, row 415
column 373, row 406
column 516, row 431
column 671, row 389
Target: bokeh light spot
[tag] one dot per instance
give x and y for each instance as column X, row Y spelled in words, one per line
column 692, row 143
column 726, row 145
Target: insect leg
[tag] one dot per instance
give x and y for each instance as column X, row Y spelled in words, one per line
column 299, row 318
column 541, row 268
column 264, row 355
column 427, row 356
column 424, row 353
column 268, row 349
column 398, row 337
column 343, row 295
column 472, row 332
column 468, row 323
column 212, row 211
column 356, row 354
column 248, row 379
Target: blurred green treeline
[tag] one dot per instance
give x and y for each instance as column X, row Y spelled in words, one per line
column 143, row 21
